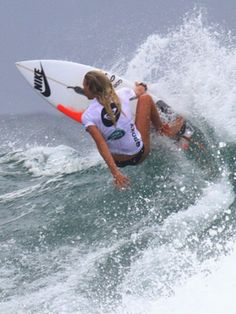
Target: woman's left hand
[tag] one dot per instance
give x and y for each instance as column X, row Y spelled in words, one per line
column 121, row 181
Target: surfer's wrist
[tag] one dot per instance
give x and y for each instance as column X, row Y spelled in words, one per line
column 115, row 172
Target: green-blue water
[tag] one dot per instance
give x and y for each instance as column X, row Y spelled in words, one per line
column 70, row 240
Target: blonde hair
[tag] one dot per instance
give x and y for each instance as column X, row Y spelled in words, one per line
column 100, row 85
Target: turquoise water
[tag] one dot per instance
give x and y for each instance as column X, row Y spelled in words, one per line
column 72, row 243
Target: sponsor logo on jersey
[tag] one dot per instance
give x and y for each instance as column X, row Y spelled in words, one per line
column 116, row 135
column 41, row 82
column 106, row 119
column 134, row 135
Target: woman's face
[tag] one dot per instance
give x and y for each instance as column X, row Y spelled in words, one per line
column 87, row 91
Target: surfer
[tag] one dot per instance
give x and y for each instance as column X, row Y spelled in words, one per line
column 120, row 140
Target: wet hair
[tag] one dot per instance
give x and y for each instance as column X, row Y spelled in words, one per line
column 100, row 85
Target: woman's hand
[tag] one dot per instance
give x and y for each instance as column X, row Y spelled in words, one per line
column 121, row 181
column 140, row 89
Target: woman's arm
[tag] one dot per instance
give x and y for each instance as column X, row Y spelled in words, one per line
column 120, row 180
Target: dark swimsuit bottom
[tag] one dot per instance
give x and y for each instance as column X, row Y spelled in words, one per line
column 131, row 162
column 136, row 159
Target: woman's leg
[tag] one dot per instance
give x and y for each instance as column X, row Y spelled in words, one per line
column 146, row 113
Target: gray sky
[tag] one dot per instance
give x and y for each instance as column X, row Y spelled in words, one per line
column 95, row 32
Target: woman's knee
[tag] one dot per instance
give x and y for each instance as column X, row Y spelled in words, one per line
column 145, row 103
column 145, row 98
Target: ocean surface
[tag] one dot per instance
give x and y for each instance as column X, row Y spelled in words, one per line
column 70, row 242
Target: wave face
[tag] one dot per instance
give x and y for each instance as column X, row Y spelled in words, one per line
column 72, row 243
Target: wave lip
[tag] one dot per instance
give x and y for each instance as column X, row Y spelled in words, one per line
column 194, row 70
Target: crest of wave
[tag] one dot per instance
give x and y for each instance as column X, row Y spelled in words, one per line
column 194, row 70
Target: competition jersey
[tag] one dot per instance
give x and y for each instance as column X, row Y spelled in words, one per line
column 122, row 138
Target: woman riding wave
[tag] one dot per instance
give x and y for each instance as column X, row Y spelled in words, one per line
column 120, row 140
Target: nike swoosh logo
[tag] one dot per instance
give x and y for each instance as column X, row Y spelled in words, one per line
column 40, row 82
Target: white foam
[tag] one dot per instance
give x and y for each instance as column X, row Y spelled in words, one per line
column 48, row 161
column 206, row 294
column 210, row 291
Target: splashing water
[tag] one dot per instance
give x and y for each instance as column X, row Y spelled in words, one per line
column 194, row 70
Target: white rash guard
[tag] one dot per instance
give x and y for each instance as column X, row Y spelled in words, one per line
column 123, row 138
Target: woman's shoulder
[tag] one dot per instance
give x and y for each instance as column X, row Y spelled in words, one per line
column 93, row 105
column 90, row 114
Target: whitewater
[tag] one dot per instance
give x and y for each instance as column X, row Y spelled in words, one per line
column 71, row 243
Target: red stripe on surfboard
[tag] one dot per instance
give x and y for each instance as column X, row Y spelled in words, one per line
column 76, row 115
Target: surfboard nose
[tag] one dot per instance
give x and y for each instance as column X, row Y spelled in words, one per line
column 19, row 64
column 24, row 63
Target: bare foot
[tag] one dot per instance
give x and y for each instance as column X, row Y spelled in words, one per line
column 173, row 128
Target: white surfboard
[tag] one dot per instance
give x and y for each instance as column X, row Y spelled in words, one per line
column 60, row 83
